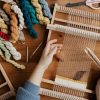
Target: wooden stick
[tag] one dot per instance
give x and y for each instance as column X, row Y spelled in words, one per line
column 55, row 83
column 92, row 56
column 11, row 92
column 36, row 50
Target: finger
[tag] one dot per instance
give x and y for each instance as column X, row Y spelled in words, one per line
column 59, row 46
column 53, row 51
column 47, row 48
column 52, row 41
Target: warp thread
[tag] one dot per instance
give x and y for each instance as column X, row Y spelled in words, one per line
column 4, row 49
column 4, row 36
column 29, row 16
column 13, row 22
column 3, row 26
column 4, row 16
column 42, row 19
column 12, row 62
column 16, row 55
column 45, row 8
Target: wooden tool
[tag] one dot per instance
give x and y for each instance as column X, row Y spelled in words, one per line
column 92, row 56
column 7, row 82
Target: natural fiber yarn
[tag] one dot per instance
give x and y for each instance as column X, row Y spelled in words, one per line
column 21, row 21
column 14, row 22
column 29, row 16
column 20, row 16
column 17, row 10
column 4, row 16
column 4, row 49
column 42, row 19
column 16, row 55
column 12, row 62
column 4, row 36
column 3, row 26
column 45, row 8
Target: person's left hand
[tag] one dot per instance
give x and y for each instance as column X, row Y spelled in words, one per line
column 50, row 50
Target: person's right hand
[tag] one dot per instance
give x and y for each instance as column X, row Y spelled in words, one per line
column 50, row 50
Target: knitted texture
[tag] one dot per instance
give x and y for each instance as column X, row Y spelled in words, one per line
column 45, row 8
column 12, row 62
column 4, row 16
column 3, row 26
column 42, row 19
column 4, row 36
column 29, row 16
column 4, row 49
column 16, row 55
column 14, row 22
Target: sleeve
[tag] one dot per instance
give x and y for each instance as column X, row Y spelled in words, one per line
column 28, row 92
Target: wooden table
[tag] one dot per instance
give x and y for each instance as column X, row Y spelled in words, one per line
column 18, row 77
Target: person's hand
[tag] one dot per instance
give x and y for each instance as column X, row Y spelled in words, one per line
column 50, row 50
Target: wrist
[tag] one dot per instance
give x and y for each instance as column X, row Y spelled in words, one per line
column 41, row 67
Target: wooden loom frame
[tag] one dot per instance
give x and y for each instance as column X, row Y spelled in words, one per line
column 56, row 9
column 7, row 83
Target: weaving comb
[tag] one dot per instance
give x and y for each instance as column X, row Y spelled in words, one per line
column 10, row 92
column 76, row 29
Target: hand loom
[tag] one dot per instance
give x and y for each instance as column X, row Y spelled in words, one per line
column 6, row 83
column 76, row 29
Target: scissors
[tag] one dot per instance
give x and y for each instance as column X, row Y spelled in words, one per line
column 89, row 3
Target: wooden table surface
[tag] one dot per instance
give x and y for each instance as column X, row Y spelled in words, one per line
column 18, row 77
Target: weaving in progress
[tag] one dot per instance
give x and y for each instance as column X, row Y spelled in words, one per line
column 78, row 30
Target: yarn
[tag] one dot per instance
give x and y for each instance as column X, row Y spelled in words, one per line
column 4, row 36
column 20, row 16
column 29, row 16
column 16, row 55
column 3, row 26
column 21, row 21
column 17, row 10
column 12, row 62
column 3, row 48
column 13, row 22
column 4, row 16
column 42, row 19
column 45, row 8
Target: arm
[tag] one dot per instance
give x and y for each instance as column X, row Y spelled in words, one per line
column 30, row 91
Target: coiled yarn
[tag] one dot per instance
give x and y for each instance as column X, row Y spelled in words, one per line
column 16, row 55
column 14, row 22
column 29, row 16
column 4, row 36
column 45, row 8
column 4, row 16
column 42, row 19
column 4, row 49
column 3, row 26
column 12, row 62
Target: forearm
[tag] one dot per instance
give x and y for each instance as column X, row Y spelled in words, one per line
column 37, row 74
